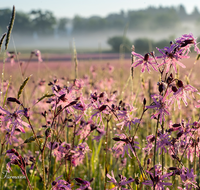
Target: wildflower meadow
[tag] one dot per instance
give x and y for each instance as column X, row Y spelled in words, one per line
column 132, row 125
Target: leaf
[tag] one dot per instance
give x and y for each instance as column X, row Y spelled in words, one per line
column 22, row 87
column 32, row 138
column 5, row 97
column 2, row 39
column 10, row 28
column 44, row 96
column 198, row 57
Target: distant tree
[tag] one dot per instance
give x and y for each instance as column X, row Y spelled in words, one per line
column 143, row 45
column 166, row 20
column 22, row 23
column 62, row 25
column 118, row 42
column 138, row 20
column 116, row 21
column 43, row 22
column 5, row 18
column 95, row 23
column 182, row 12
column 79, row 23
column 161, row 44
column 195, row 14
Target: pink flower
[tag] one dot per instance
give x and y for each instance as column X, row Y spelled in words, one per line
column 83, row 184
column 78, row 153
column 14, row 119
column 170, row 56
column 188, row 178
column 16, row 159
column 127, row 117
column 161, row 106
column 11, row 57
column 158, row 180
column 123, row 181
column 182, row 93
column 37, row 53
column 60, row 184
column 123, row 145
column 186, row 41
column 101, row 132
column 145, row 61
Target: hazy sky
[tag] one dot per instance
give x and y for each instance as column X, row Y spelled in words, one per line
column 86, row 8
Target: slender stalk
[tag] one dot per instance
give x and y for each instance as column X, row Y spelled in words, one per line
column 195, row 149
column 34, row 133
column 28, row 181
column 106, row 149
column 162, row 156
column 70, row 163
column 154, row 156
column 23, row 72
column 43, row 170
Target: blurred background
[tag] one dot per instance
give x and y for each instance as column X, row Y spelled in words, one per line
column 101, row 26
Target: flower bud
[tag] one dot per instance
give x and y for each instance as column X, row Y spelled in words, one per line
column 174, row 89
column 180, row 83
column 144, row 101
column 48, row 132
column 148, row 161
column 146, row 57
column 116, row 139
column 11, row 99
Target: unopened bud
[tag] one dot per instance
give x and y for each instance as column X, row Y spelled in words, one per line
column 148, row 161
column 172, row 168
column 144, row 101
column 54, row 183
column 116, row 139
column 146, row 57
column 180, row 83
column 48, row 132
column 152, row 54
column 79, row 180
column 176, row 125
column 11, row 99
column 174, row 89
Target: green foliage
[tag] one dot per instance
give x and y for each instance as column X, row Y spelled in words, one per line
column 143, row 45
column 10, row 28
column 2, row 39
column 119, row 41
column 139, row 20
column 166, row 20
column 161, row 43
column 44, row 22
column 22, row 87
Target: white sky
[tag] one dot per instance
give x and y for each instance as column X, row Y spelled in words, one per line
column 86, row 8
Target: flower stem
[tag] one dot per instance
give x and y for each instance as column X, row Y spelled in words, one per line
column 43, row 170
column 106, row 170
column 27, row 180
column 154, row 156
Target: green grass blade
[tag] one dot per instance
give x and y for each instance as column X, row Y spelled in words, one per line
column 10, row 28
column 2, row 39
column 22, row 87
column 5, row 97
column 44, row 96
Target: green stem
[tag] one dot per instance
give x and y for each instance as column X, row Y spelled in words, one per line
column 106, row 169
column 154, row 156
column 43, row 170
column 162, row 156
column 28, row 180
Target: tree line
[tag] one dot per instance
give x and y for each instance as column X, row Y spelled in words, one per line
column 142, row 45
column 45, row 22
